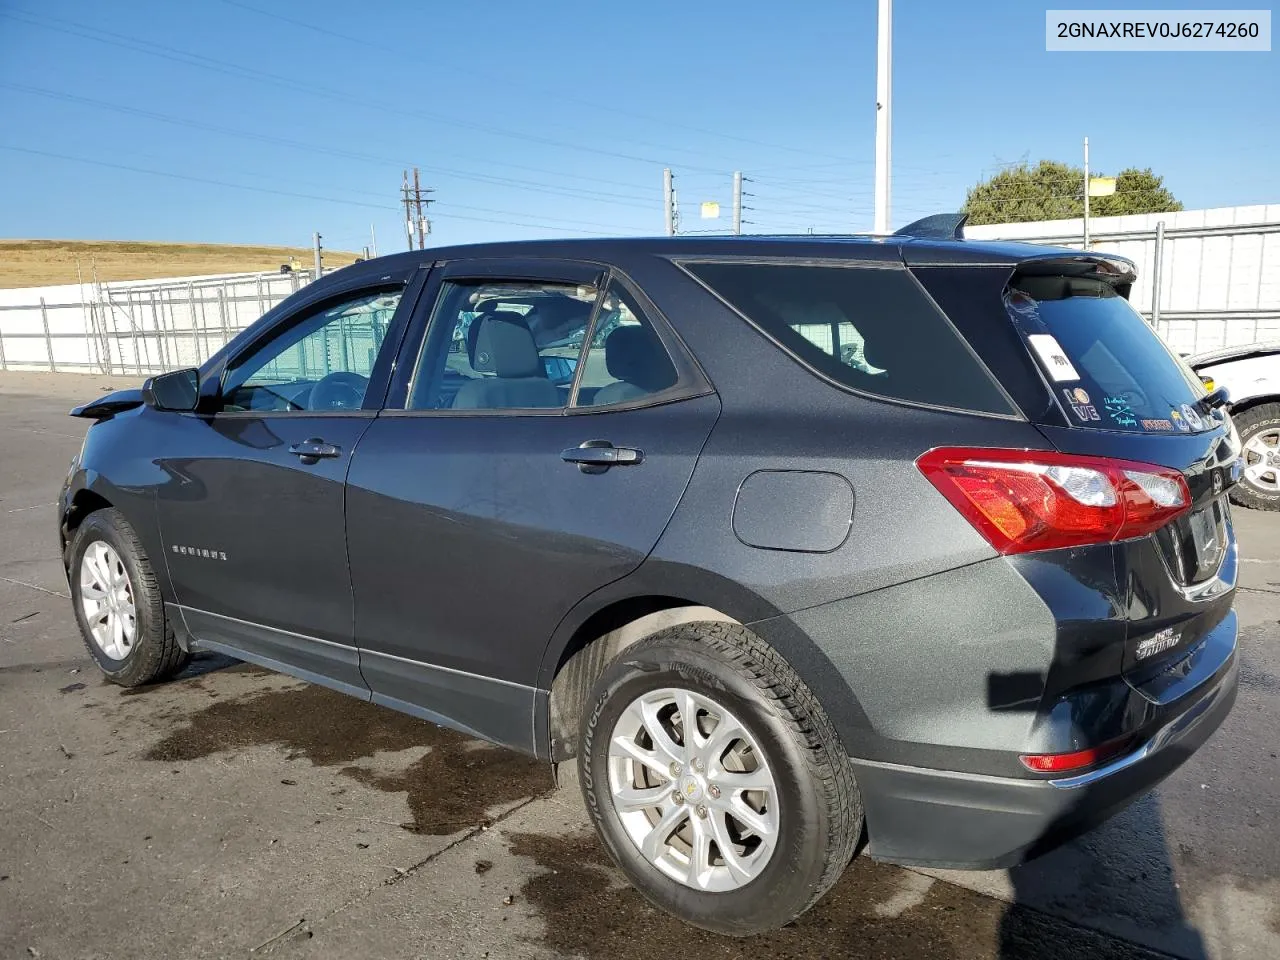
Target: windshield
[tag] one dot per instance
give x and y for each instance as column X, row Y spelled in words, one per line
column 1108, row 368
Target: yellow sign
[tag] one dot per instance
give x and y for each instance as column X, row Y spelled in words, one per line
column 710, row 211
column 1102, row 186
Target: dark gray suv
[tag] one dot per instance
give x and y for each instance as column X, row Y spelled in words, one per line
column 791, row 542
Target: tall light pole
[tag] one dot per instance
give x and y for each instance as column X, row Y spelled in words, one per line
column 884, row 109
column 1086, row 193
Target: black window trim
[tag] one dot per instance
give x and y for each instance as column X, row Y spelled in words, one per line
column 691, row 381
column 844, row 264
column 407, row 282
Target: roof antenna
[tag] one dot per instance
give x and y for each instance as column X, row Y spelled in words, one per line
column 940, row 226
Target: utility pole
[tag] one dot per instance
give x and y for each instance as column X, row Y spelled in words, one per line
column 669, row 201
column 423, row 226
column 737, row 202
column 884, row 111
column 373, row 240
column 319, row 259
column 408, row 209
column 1086, row 193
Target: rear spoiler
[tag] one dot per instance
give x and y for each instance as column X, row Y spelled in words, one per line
column 940, row 226
column 109, row 405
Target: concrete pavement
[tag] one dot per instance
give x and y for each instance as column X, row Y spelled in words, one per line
column 235, row 813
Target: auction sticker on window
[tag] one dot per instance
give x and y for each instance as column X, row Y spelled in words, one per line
column 1052, row 356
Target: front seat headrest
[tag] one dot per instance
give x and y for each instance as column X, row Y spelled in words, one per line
column 503, row 345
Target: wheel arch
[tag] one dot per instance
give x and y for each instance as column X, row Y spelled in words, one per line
column 658, row 596
column 83, row 503
column 1250, row 402
column 604, row 635
column 85, row 493
column 88, row 492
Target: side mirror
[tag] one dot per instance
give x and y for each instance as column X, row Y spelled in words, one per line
column 179, row 390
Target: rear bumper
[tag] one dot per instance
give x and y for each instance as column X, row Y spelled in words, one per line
column 939, row 818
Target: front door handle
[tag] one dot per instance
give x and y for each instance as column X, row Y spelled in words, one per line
column 597, row 456
column 314, row 450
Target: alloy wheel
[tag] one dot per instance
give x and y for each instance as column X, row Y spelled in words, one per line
column 693, row 789
column 1262, row 461
column 107, row 601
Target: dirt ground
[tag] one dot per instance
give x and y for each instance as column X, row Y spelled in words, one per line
column 34, row 263
column 237, row 813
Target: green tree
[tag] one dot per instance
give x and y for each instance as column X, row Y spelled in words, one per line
column 1055, row 191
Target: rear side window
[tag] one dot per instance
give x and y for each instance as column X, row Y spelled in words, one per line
column 1108, row 368
column 871, row 329
column 625, row 360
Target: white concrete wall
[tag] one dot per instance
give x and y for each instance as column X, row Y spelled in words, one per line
column 1227, row 279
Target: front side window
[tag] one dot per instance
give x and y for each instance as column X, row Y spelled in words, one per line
column 871, row 329
column 503, row 345
column 322, row 363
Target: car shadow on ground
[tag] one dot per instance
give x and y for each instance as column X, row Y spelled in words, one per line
column 1118, row 879
column 201, row 664
column 1116, row 876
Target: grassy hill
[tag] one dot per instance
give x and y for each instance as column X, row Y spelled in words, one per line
column 33, row 263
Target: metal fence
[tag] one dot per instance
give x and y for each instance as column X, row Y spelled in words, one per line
column 133, row 327
column 1206, row 278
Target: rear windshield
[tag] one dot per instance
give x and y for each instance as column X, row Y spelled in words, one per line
column 1107, row 367
column 869, row 328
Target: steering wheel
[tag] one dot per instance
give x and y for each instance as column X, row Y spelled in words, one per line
column 339, row 391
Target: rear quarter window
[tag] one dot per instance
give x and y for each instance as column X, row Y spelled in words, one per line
column 868, row 328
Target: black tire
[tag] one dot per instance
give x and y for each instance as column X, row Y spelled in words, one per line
column 1264, row 417
column 820, row 811
column 155, row 654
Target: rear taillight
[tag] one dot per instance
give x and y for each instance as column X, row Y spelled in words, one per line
column 1023, row 500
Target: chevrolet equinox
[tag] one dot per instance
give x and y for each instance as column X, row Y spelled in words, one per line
column 794, row 543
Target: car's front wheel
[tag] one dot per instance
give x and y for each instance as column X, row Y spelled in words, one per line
column 716, row 781
column 118, row 604
column 1259, row 485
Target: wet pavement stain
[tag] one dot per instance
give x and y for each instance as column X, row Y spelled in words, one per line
column 448, row 789
column 588, row 912
column 452, row 786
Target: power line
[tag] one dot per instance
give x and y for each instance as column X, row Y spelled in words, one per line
column 167, row 52
column 305, row 196
column 618, row 199
column 595, row 105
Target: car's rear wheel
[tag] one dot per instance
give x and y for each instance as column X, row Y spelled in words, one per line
column 716, row 781
column 118, row 604
column 1259, row 485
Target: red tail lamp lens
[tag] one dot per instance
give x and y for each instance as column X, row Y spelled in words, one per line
column 1024, row 500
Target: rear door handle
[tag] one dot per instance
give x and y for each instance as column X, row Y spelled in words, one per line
column 314, row 450
column 597, row 456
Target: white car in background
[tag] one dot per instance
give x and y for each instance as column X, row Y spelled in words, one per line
column 1251, row 374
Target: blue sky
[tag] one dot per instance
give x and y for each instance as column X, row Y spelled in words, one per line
column 556, row 118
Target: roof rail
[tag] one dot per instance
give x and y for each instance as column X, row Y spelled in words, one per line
column 940, row 226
